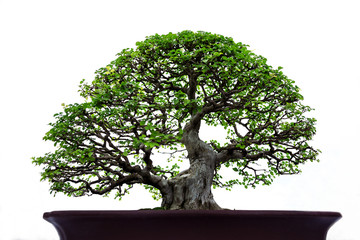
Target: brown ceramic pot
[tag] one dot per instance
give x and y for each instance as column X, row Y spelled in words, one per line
column 192, row 225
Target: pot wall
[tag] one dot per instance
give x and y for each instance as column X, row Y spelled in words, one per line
column 192, row 225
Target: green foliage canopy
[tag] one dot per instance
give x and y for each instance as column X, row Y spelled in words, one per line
column 142, row 100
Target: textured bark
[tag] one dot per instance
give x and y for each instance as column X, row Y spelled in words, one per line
column 191, row 189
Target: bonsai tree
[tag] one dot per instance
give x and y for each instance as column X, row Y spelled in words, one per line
column 142, row 114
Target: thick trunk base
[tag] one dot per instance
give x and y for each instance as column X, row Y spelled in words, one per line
column 191, row 190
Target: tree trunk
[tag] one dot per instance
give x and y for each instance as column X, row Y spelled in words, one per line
column 191, row 189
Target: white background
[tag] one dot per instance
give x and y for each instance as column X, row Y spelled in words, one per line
column 47, row 47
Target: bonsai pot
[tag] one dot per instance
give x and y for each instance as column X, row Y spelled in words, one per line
column 192, row 224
